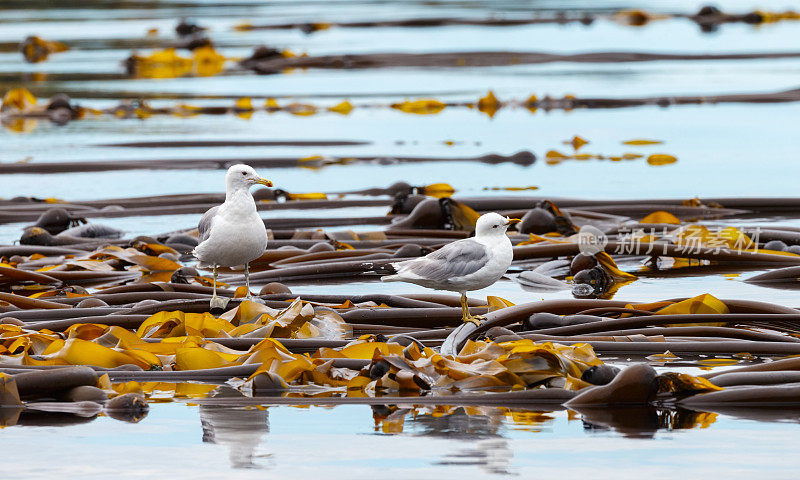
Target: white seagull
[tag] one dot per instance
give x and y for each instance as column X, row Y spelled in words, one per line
column 233, row 233
column 464, row 265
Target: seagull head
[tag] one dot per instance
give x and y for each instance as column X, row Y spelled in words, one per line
column 243, row 176
column 493, row 224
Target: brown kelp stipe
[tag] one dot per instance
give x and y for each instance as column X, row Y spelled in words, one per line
column 481, row 59
column 520, row 158
column 708, row 18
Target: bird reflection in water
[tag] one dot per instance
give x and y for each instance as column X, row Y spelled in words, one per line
column 477, row 426
column 240, row 429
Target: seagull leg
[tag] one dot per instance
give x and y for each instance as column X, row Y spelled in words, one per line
column 247, row 285
column 247, row 280
column 217, row 302
column 465, row 312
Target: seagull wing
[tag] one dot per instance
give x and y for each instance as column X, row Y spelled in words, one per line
column 457, row 259
column 204, row 227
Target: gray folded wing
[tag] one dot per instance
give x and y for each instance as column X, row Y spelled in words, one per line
column 204, row 227
column 456, row 259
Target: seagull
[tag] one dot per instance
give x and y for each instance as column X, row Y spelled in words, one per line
column 233, row 233
column 464, row 265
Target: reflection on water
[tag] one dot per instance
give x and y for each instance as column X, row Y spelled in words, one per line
column 478, row 429
column 784, row 414
column 492, row 456
column 475, row 428
column 476, row 436
column 482, row 423
column 62, row 415
column 642, row 422
column 400, row 440
column 467, row 423
column 239, row 429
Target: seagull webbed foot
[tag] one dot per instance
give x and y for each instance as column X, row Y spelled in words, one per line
column 251, row 298
column 219, row 302
column 476, row 319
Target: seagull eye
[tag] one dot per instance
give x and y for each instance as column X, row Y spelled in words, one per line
column 244, row 173
column 494, row 226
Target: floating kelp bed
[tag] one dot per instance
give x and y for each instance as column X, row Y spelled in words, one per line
column 87, row 316
column 19, row 105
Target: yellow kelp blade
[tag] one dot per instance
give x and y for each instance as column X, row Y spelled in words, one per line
column 197, row 358
column 641, row 141
column 438, row 190
column 343, row 108
column 497, row 303
column 610, row 265
column 180, row 324
column 207, row 62
column 683, row 383
column 426, row 106
column 701, row 304
column 366, row 350
column 81, row 352
column 661, row 216
column 658, row 159
column 489, row 104
column 464, row 217
column 18, row 100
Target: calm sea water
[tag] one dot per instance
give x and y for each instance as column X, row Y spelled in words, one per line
column 344, row 442
column 731, row 150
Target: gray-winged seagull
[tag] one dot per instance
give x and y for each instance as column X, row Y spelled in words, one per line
column 233, row 233
column 464, row 265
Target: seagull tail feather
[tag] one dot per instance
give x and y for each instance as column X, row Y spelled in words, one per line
column 381, row 269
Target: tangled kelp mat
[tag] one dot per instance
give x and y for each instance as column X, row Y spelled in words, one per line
column 88, row 316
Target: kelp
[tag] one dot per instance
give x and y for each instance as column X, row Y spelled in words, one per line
column 185, row 341
column 312, row 162
column 206, row 61
column 36, row 49
column 708, row 18
column 275, row 64
column 145, row 306
column 167, row 63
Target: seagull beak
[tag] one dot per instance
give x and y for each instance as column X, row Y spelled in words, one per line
column 264, row 181
column 512, row 221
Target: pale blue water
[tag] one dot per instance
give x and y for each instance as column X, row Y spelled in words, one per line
column 733, row 150
column 343, row 442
